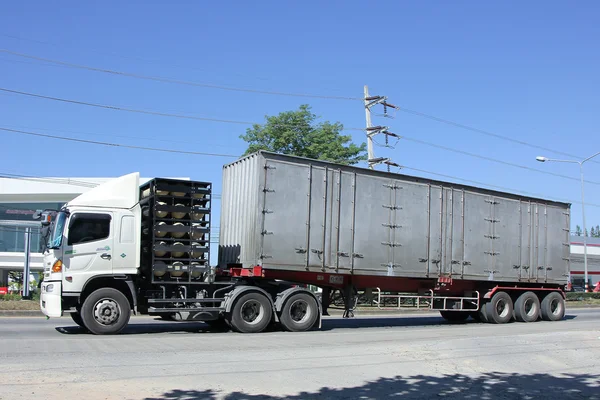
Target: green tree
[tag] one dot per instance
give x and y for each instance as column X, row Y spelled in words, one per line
column 297, row 133
column 578, row 231
column 593, row 232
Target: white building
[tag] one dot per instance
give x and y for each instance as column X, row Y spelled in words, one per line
column 19, row 199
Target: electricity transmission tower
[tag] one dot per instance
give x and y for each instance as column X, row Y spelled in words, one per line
column 372, row 131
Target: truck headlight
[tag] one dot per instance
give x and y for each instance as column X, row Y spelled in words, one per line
column 50, row 288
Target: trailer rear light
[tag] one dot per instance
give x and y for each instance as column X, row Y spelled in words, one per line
column 57, row 267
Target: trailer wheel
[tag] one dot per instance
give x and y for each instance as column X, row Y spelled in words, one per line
column 527, row 307
column 499, row 309
column 251, row 313
column 106, row 311
column 455, row 316
column 299, row 313
column 553, row 307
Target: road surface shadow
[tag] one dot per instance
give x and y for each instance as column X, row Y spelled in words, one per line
column 329, row 324
column 494, row 385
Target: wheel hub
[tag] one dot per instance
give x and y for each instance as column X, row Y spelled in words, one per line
column 251, row 312
column 299, row 311
column 106, row 311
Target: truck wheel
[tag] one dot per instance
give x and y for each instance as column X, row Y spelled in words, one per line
column 106, row 311
column 299, row 313
column 553, row 307
column 527, row 307
column 455, row 316
column 251, row 313
column 76, row 317
column 499, row 309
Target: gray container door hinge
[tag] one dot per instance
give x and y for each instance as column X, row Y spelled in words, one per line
column 393, row 187
column 492, row 201
column 392, row 226
column 300, row 250
column 491, row 274
column 265, row 256
column 266, row 233
column 267, row 190
column 357, row 255
column 492, row 220
column 267, row 166
column 423, row 260
column 492, row 253
column 392, row 207
column 466, row 263
column 455, row 262
column 343, row 254
column 267, row 211
column 391, row 244
column 492, row 236
column 317, row 251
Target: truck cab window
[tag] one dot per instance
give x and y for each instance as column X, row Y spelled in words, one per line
column 87, row 227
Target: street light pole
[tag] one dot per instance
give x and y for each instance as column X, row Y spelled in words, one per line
column 585, row 261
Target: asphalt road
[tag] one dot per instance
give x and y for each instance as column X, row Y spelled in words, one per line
column 418, row 357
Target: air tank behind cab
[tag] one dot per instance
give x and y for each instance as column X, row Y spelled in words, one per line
column 177, row 269
column 179, row 214
column 160, row 233
column 160, row 269
column 161, row 214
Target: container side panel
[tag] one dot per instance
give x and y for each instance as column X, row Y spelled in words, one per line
column 436, row 229
column 346, row 223
column 477, row 226
column 558, row 250
column 410, row 229
column 285, row 215
column 506, row 239
column 458, row 240
column 448, row 223
column 372, row 240
column 318, row 204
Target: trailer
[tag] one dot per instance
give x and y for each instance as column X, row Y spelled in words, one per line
column 289, row 223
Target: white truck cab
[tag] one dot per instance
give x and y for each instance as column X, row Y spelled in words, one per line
column 94, row 236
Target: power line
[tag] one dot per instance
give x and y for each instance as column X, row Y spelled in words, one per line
column 65, row 181
column 114, row 136
column 487, row 133
column 503, row 188
column 116, row 144
column 175, row 81
column 494, row 159
column 162, row 114
column 213, row 86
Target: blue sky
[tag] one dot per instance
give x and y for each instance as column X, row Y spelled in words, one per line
column 528, row 71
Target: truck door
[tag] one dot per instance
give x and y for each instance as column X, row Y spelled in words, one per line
column 89, row 247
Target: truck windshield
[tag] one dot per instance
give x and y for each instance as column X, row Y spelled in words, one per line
column 55, row 239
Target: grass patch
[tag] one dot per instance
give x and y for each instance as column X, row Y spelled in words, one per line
column 19, row 305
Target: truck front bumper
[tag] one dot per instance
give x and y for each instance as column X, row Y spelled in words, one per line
column 50, row 299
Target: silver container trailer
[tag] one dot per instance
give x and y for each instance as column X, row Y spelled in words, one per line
column 295, row 214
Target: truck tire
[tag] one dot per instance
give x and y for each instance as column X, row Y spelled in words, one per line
column 106, row 311
column 299, row 313
column 553, row 307
column 76, row 317
column 455, row 316
column 251, row 313
column 527, row 307
column 499, row 310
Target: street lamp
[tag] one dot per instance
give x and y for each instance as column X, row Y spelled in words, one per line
column 585, row 263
